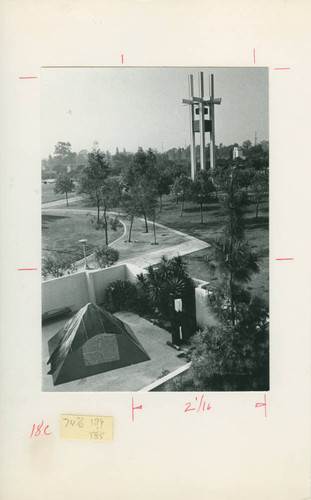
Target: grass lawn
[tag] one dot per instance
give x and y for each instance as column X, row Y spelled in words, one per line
column 257, row 234
column 63, row 232
column 47, row 193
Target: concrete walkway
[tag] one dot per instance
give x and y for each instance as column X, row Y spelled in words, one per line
column 153, row 258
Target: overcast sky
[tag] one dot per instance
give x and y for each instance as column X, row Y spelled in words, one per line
column 142, row 107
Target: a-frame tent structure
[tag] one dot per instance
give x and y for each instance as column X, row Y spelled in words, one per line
column 92, row 342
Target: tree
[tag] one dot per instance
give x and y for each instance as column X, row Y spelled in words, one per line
column 105, row 256
column 63, row 156
column 235, row 265
column 168, row 277
column 201, row 189
column 140, row 177
column 260, row 187
column 94, row 177
column 64, row 185
column 62, row 149
column 151, row 204
column 234, row 358
column 111, row 195
column 129, row 205
column 246, row 146
column 182, row 190
column 231, row 255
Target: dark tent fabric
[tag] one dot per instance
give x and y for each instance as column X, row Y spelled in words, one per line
column 92, row 342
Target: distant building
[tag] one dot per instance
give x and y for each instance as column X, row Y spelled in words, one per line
column 237, row 152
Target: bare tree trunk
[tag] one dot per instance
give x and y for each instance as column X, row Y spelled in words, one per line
column 130, row 231
column 146, row 223
column 98, row 209
column 160, row 202
column 257, row 208
column 182, row 208
column 201, row 210
column 154, row 233
column 106, row 227
column 67, row 198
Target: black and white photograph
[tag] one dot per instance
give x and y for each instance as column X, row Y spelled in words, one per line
column 155, row 229
column 155, row 252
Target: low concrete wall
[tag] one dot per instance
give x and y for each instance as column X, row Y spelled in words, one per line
column 132, row 271
column 76, row 290
column 160, row 383
column 101, row 279
column 67, row 291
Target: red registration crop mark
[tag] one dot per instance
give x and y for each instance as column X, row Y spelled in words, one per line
column 27, row 77
column 135, row 408
column 122, row 58
column 254, row 56
column 259, row 405
column 27, row 269
column 36, row 433
column 281, row 68
column 286, row 258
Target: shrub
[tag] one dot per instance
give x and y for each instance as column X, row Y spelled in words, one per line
column 121, row 295
column 57, row 266
column 114, row 224
column 105, row 256
column 99, row 225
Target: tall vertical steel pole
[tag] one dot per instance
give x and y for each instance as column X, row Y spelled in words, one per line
column 192, row 133
column 212, row 118
column 202, row 124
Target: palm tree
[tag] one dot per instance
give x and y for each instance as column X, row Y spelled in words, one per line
column 168, row 278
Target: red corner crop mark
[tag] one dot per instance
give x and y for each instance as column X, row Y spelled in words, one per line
column 286, row 258
column 122, row 58
column 27, row 269
column 135, row 408
column 26, row 77
column 259, row 405
column 281, row 68
column 254, row 56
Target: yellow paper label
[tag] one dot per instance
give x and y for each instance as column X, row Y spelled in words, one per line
column 90, row 427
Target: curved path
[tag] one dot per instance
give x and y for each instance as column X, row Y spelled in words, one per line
column 135, row 252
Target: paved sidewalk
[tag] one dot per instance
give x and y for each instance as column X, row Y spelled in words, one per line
column 153, row 258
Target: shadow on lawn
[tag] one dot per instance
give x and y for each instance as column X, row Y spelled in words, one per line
column 259, row 223
column 51, row 218
column 206, row 208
